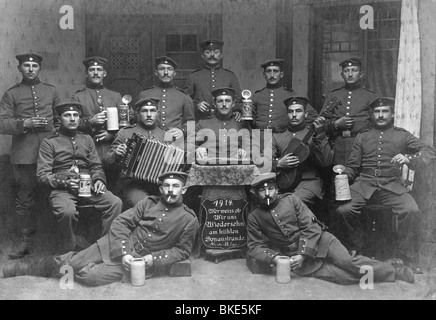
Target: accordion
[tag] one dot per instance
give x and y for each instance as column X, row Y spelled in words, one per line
column 146, row 159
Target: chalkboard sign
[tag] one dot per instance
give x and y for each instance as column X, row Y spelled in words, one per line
column 224, row 226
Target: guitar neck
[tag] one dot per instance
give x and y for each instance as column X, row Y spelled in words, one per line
column 309, row 134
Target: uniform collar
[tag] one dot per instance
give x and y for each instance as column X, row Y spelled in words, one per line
column 165, row 85
column 353, row 86
column 297, row 129
column 31, row 82
column 94, row 86
column 214, row 68
column 223, row 118
column 275, row 86
column 66, row 132
column 390, row 125
column 152, row 128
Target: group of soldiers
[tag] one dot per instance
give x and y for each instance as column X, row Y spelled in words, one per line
column 53, row 142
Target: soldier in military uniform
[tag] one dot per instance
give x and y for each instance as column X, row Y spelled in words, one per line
column 95, row 98
column 307, row 183
column 352, row 115
column 131, row 190
column 268, row 109
column 160, row 229
column 176, row 108
column 65, row 155
column 26, row 113
column 283, row 225
column 374, row 172
column 200, row 83
column 225, row 144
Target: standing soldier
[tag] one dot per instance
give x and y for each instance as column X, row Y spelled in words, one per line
column 352, row 116
column 26, row 113
column 200, row 83
column 176, row 108
column 95, row 99
column 268, row 109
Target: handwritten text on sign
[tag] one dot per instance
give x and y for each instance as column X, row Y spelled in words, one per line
column 224, row 227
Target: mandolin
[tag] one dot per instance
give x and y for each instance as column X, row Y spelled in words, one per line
column 288, row 179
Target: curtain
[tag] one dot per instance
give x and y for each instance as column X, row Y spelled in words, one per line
column 408, row 90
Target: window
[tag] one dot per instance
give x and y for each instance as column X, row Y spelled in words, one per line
column 124, row 51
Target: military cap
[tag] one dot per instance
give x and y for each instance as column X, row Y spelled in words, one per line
column 273, row 62
column 29, row 57
column 223, row 92
column 263, row 178
column 211, row 44
column 165, row 60
column 296, row 100
column 180, row 175
column 383, row 102
column 351, row 62
column 94, row 61
column 68, row 106
column 150, row 101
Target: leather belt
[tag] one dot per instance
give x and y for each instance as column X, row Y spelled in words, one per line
column 352, row 134
column 66, row 172
column 140, row 248
column 391, row 172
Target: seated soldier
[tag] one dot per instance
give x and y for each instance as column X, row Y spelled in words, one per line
column 133, row 234
column 301, row 178
column 374, row 172
column 131, row 190
column 284, row 225
column 62, row 157
column 221, row 137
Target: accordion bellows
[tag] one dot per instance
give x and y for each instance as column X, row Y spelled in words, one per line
column 146, row 159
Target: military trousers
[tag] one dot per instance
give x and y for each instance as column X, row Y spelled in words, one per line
column 340, row 267
column 89, row 268
column 26, row 181
column 132, row 191
column 403, row 206
column 64, row 204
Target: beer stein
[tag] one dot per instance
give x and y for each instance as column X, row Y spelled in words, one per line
column 247, row 105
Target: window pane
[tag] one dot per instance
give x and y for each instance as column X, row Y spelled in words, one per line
column 189, row 42
column 173, row 42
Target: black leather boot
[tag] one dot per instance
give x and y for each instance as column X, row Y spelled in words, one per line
column 43, row 267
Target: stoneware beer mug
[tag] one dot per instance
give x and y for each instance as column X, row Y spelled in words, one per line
column 112, row 118
column 84, row 185
column 283, row 269
column 137, row 272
